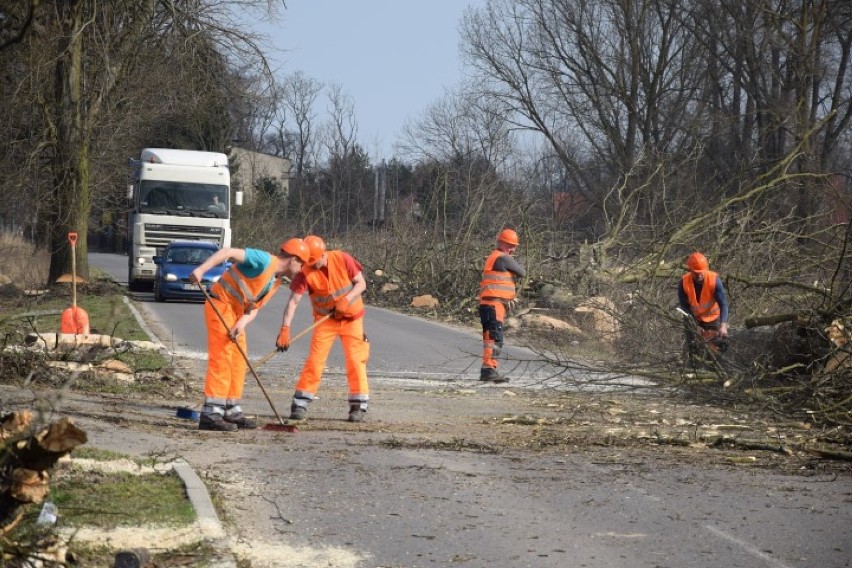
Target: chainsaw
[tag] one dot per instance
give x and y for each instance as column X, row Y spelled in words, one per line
column 714, row 340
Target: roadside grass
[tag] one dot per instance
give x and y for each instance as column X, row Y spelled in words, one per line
column 102, row 299
column 123, row 491
column 109, row 499
column 107, row 502
column 109, row 314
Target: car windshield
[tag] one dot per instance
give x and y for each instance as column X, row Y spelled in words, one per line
column 188, row 255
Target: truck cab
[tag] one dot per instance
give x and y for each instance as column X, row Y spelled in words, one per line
column 175, row 195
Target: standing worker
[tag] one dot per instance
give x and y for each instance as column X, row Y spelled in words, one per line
column 238, row 295
column 702, row 297
column 335, row 283
column 496, row 294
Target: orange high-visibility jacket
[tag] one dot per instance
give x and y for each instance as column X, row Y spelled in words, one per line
column 325, row 291
column 496, row 284
column 242, row 292
column 704, row 308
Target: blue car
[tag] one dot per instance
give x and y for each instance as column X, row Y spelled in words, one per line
column 176, row 263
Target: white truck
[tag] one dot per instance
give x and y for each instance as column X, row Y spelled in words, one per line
column 175, row 195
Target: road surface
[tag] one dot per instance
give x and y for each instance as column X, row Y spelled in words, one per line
column 432, row 478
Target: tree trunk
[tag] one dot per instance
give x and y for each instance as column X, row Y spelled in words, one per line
column 71, row 166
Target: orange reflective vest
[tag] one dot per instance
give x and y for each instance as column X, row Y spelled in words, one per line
column 242, row 292
column 326, row 290
column 704, row 308
column 496, row 284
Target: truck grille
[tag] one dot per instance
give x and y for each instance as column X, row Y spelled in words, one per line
column 157, row 235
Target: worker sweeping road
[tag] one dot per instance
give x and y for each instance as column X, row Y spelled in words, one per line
column 702, row 296
column 496, row 294
column 335, row 283
column 239, row 294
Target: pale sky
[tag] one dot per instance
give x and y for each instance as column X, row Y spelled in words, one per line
column 393, row 57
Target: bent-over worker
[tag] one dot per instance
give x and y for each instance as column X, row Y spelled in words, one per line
column 238, row 295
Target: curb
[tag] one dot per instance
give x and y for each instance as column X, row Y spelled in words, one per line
column 208, row 521
column 141, row 321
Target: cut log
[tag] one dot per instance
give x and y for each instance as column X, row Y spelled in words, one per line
column 770, row 320
column 29, row 486
column 14, row 423
column 41, row 450
column 24, row 464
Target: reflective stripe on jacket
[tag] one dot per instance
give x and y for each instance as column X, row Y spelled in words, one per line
column 326, row 290
column 704, row 308
column 496, row 284
column 244, row 293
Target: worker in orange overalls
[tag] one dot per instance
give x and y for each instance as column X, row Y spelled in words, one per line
column 702, row 297
column 335, row 284
column 496, row 294
column 238, row 295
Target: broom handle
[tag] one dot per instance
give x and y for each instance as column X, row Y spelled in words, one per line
column 274, row 352
column 242, row 352
column 74, row 275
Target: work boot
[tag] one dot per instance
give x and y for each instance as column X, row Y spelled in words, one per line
column 298, row 413
column 357, row 414
column 216, row 422
column 241, row 420
column 490, row 374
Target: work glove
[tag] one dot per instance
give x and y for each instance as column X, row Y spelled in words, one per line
column 510, row 305
column 283, row 341
column 341, row 309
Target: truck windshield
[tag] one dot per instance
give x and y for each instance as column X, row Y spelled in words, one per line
column 183, row 198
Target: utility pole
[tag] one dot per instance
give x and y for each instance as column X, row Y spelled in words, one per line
column 375, row 195
column 382, row 191
column 379, row 191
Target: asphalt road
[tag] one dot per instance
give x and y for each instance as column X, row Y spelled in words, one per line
column 338, row 495
column 400, row 346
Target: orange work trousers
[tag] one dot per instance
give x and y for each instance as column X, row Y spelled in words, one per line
column 356, row 351
column 226, row 368
column 492, row 332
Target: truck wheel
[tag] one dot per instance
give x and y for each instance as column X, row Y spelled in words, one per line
column 132, row 285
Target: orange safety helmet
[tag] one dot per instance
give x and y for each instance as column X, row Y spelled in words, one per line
column 297, row 248
column 696, row 262
column 316, row 246
column 509, row 237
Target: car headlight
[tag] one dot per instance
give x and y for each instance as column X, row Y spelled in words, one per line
column 171, row 277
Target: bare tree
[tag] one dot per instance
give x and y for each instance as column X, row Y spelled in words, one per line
column 300, row 94
column 458, row 124
column 602, row 78
column 81, row 52
column 340, row 145
column 293, row 132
